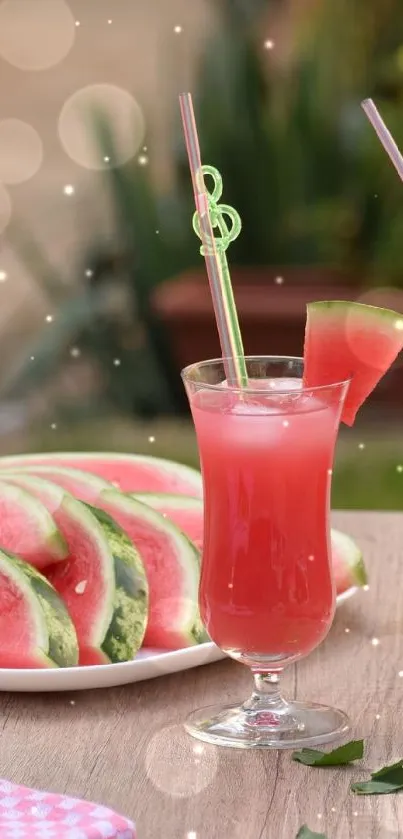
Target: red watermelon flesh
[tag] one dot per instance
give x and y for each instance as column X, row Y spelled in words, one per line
column 14, row 614
column 186, row 513
column 130, row 473
column 172, row 566
column 350, row 341
column 27, row 528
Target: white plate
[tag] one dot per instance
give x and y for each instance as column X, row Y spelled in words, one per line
column 148, row 664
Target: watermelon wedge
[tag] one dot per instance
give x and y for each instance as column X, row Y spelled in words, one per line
column 35, row 627
column 172, row 567
column 348, row 563
column 128, row 472
column 83, row 485
column 28, row 529
column 102, row 582
column 186, row 513
column 354, row 341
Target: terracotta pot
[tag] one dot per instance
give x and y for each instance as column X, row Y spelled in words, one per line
column 272, row 314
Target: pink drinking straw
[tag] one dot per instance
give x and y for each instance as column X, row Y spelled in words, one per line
column 384, row 135
column 214, row 252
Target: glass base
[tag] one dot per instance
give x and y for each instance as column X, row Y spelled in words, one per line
column 298, row 724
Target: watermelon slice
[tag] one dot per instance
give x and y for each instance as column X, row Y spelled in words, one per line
column 83, row 485
column 102, row 582
column 348, row 563
column 128, row 472
column 35, row 627
column 186, row 513
column 28, row 529
column 172, row 567
column 354, row 341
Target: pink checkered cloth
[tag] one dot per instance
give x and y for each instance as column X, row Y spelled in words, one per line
column 28, row 814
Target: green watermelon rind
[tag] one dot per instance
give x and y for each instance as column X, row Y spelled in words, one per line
column 170, row 467
column 360, row 308
column 56, row 640
column 188, row 622
column 53, row 541
column 127, row 627
column 160, row 500
column 352, row 556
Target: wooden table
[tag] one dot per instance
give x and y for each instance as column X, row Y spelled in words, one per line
column 125, row 747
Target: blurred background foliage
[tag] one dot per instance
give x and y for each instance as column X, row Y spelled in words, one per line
column 302, row 167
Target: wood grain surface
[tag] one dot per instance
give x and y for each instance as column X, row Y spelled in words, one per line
column 126, row 748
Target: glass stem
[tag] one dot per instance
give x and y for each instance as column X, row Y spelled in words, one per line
column 266, row 695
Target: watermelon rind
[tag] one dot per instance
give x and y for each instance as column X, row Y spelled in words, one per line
column 393, row 318
column 172, row 470
column 126, row 630
column 346, row 547
column 187, row 623
column 55, row 636
column 35, row 517
column 161, row 500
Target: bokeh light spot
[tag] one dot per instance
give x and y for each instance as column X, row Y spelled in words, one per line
column 77, row 125
column 5, row 208
column 21, row 151
column 35, row 35
column 188, row 774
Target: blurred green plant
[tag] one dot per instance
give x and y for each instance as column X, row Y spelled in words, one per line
column 299, row 162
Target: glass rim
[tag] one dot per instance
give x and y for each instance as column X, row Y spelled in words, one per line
column 185, row 374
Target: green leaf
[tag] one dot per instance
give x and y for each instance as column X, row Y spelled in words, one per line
column 341, row 756
column 384, row 781
column 305, row 833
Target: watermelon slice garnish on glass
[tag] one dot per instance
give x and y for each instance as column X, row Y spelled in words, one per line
column 346, row 340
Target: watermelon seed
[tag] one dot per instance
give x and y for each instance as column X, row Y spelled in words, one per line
column 80, row 587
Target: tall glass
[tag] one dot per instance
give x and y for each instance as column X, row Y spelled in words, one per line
column 267, row 596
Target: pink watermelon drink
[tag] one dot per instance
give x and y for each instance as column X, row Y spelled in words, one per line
column 266, row 591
